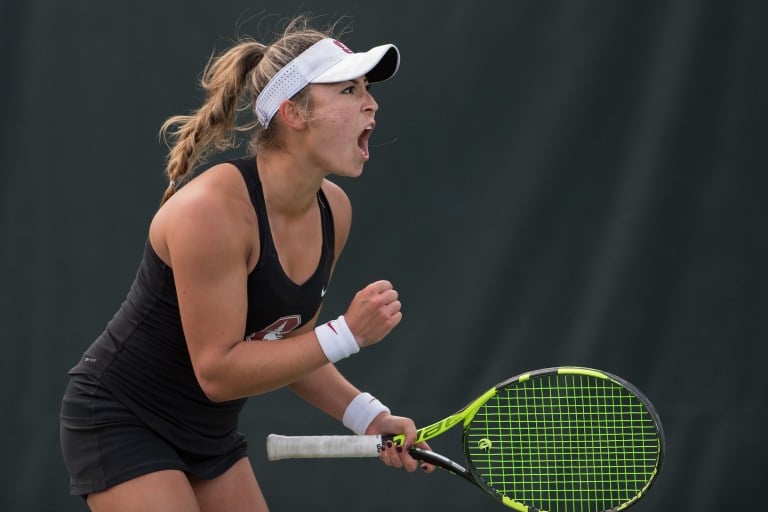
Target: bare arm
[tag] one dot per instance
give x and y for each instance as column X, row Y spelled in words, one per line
column 203, row 235
column 327, row 389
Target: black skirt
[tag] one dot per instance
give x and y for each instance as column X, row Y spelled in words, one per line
column 105, row 444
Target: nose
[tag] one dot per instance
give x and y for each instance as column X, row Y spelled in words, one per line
column 369, row 103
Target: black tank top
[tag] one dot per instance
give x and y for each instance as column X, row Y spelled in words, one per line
column 142, row 356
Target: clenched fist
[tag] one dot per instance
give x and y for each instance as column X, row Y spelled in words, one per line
column 374, row 312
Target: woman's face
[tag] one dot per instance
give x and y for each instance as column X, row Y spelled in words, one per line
column 340, row 125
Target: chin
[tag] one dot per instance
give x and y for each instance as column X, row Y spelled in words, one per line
column 353, row 172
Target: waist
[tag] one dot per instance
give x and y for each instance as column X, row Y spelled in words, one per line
column 157, row 383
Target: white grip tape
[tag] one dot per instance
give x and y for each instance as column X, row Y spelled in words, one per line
column 336, row 340
column 361, row 411
column 321, row 447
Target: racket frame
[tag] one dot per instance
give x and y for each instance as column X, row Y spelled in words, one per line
column 480, row 481
column 282, row 447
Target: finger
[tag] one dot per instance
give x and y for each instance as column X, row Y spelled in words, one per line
column 387, row 297
column 381, row 286
column 425, row 466
column 389, row 455
column 394, row 307
column 409, row 463
column 390, row 295
column 406, row 460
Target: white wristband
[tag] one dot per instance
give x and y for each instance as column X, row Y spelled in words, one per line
column 361, row 411
column 336, row 340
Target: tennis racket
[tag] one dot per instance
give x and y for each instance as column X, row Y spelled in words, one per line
column 564, row 439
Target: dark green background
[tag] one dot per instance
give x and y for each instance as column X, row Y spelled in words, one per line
column 551, row 182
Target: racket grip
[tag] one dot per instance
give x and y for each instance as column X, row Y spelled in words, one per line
column 321, row 447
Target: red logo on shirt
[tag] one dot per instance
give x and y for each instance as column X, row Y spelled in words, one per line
column 342, row 46
column 277, row 330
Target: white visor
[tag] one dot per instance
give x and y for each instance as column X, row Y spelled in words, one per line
column 325, row 62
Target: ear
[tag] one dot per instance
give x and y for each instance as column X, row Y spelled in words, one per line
column 291, row 116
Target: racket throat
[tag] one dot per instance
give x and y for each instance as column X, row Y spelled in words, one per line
column 442, row 462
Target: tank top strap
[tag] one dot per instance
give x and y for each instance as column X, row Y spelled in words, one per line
column 247, row 167
column 326, row 216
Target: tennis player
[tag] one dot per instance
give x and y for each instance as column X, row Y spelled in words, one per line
column 227, row 296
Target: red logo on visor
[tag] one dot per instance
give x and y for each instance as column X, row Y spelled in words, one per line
column 342, row 46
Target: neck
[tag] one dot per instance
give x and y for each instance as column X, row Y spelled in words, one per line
column 290, row 185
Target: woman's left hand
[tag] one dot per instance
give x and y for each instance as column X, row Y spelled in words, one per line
column 398, row 456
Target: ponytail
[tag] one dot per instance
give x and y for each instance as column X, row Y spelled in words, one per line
column 212, row 127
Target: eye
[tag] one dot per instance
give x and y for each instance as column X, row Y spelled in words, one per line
column 353, row 88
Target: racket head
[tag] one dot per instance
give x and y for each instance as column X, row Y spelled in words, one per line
column 565, row 439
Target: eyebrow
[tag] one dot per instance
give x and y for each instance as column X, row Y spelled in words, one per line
column 357, row 81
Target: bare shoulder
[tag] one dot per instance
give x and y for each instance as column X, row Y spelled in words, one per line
column 212, row 210
column 341, row 207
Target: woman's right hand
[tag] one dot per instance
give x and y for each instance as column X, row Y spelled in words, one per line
column 373, row 313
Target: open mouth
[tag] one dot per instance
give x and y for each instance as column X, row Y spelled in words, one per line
column 362, row 141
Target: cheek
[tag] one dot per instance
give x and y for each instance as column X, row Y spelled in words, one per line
column 338, row 127
column 334, row 128
column 340, row 119
column 334, row 114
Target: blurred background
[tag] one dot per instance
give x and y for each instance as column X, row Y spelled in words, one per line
column 552, row 182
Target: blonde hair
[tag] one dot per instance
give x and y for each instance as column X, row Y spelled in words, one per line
column 232, row 81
